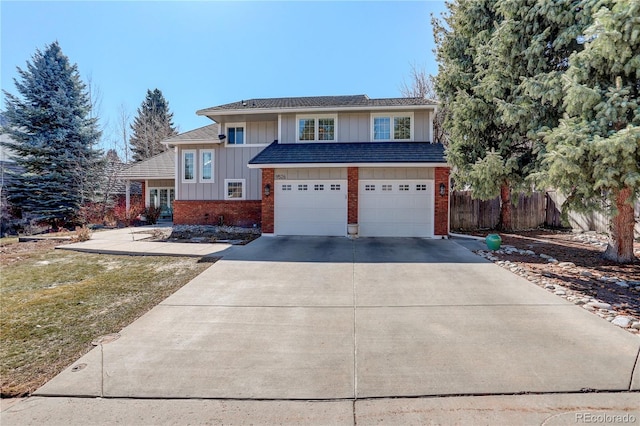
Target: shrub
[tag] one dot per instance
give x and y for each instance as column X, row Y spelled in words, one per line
column 127, row 217
column 92, row 213
column 83, row 233
column 152, row 214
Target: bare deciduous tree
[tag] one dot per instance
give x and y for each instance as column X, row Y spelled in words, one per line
column 422, row 85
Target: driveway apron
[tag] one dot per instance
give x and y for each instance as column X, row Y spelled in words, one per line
column 332, row 318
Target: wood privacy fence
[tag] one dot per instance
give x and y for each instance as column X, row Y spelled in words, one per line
column 595, row 221
column 531, row 211
column 469, row 214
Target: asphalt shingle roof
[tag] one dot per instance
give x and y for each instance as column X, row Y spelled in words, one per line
column 161, row 166
column 355, row 101
column 358, row 152
column 206, row 133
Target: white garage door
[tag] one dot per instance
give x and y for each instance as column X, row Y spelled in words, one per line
column 311, row 207
column 395, row 208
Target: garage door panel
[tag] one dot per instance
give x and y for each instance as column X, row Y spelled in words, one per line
column 308, row 207
column 396, row 208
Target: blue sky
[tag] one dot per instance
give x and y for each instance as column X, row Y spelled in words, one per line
column 206, row 53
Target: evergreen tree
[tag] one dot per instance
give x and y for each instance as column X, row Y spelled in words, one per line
column 593, row 155
column 481, row 149
column 152, row 125
column 520, row 70
column 53, row 137
column 503, row 87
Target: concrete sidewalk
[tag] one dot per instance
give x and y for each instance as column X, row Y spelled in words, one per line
column 386, row 331
column 131, row 241
column 549, row 410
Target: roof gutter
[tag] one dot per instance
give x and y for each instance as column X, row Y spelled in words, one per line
column 357, row 108
column 326, row 165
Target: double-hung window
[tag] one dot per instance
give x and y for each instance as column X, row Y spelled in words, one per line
column 206, row 165
column 198, row 166
column 236, row 134
column 392, row 127
column 189, row 165
column 318, row 128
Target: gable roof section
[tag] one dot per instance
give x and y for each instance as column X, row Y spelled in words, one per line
column 252, row 106
column 202, row 134
column 350, row 153
column 161, row 166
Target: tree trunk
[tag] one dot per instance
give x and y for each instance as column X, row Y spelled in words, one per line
column 620, row 248
column 504, row 224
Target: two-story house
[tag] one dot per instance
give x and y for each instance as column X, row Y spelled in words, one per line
column 328, row 165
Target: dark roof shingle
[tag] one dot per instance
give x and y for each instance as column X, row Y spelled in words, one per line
column 353, row 152
column 355, row 101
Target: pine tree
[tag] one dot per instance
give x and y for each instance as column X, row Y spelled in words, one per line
column 151, row 126
column 593, row 155
column 53, row 137
column 520, row 70
column 480, row 148
column 501, row 79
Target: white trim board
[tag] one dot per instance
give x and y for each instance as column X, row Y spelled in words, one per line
column 333, row 165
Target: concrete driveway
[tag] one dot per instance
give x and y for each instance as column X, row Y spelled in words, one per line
column 331, row 318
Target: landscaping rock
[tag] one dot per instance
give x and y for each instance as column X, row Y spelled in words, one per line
column 622, row 321
column 599, row 305
column 567, row 265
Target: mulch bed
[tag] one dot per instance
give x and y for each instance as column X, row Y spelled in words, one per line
column 592, row 275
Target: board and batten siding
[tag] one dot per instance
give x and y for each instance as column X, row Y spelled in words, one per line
column 229, row 163
column 356, row 127
column 422, row 129
column 160, row 183
column 396, row 173
column 315, row 173
column 261, row 132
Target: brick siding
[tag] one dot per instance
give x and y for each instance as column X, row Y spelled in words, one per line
column 441, row 202
column 268, row 202
column 352, row 197
column 243, row 213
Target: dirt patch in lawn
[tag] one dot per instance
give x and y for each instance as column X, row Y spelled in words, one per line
column 11, row 251
column 54, row 303
column 571, row 266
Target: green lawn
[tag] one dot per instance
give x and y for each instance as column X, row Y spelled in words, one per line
column 54, row 303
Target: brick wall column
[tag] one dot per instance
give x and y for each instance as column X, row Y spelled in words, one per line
column 441, row 202
column 352, row 195
column 268, row 202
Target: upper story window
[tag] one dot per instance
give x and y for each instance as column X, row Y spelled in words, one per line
column 189, row 165
column 392, row 127
column 318, row 128
column 206, row 165
column 236, row 134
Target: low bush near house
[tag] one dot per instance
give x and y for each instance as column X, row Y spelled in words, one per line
column 128, row 216
column 152, row 214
